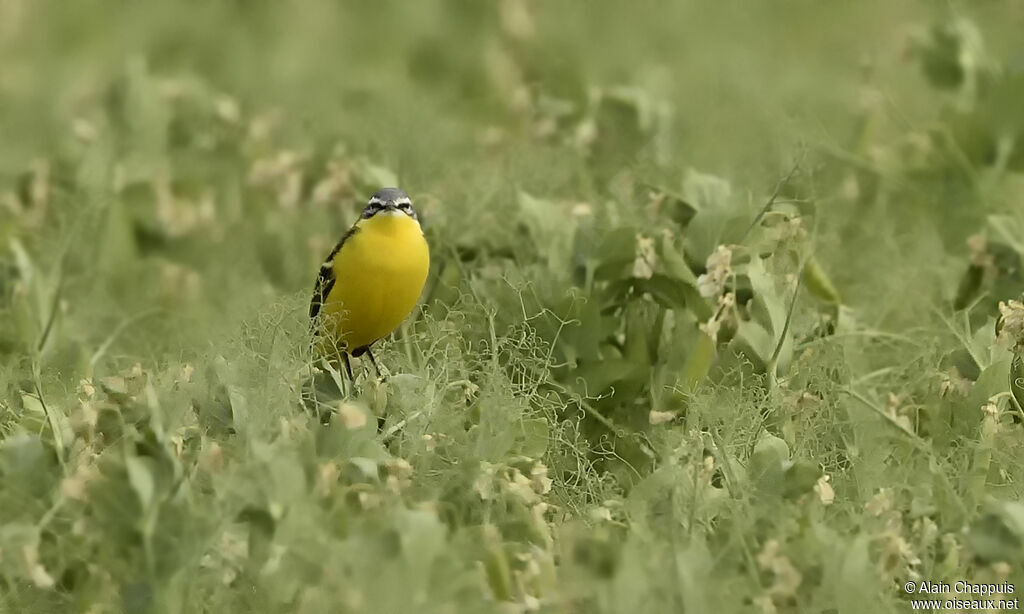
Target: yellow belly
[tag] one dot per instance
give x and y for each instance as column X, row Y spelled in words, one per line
column 379, row 275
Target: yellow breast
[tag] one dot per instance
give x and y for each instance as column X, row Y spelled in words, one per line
column 379, row 275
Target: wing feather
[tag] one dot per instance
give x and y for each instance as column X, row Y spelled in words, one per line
column 325, row 280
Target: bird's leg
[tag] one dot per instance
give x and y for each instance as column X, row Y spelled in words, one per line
column 380, row 378
column 374, row 363
column 348, row 369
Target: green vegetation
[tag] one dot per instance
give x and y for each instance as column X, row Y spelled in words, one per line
column 722, row 313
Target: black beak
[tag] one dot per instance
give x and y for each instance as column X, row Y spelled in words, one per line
column 390, row 205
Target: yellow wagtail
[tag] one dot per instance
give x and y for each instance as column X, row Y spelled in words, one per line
column 372, row 278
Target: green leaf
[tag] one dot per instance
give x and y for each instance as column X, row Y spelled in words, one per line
column 818, row 283
column 754, row 342
column 969, row 286
column 698, row 362
column 497, row 431
column 423, row 540
column 261, row 532
column 236, row 398
column 712, row 198
column 597, row 378
column 983, row 347
column 17, row 537
column 365, row 469
column 552, row 230
column 856, row 579
column 25, row 468
column 638, row 322
column 1009, row 229
column 1017, row 379
column 666, row 291
column 289, row 479
column 767, row 306
column 140, row 476
column 616, row 254
column 993, row 380
column 941, row 51
column 800, row 476
column 496, row 568
column 706, row 192
column 535, row 437
column 999, row 534
column 769, row 309
column 767, row 463
column 675, row 264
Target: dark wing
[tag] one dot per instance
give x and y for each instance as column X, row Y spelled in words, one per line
column 325, row 281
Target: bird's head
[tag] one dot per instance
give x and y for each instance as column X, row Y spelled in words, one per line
column 389, row 201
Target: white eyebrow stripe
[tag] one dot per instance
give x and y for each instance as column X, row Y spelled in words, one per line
column 398, row 201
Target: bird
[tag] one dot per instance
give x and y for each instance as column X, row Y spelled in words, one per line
column 371, row 280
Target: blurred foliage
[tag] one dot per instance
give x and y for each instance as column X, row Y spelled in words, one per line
column 725, row 310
